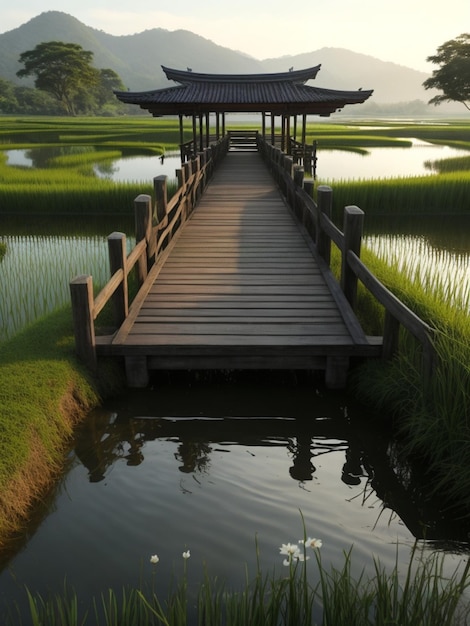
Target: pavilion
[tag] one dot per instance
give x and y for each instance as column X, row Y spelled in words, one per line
column 283, row 94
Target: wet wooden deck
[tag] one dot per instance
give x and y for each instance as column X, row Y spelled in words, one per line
column 241, row 287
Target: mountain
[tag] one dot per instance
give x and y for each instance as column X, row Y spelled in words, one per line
column 138, row 58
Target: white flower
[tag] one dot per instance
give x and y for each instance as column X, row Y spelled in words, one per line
column 314, row 543
column 154, row 559
column 289, row 548
column 186, row 554
column 286, row 562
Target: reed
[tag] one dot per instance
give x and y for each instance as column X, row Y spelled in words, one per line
column 422, row 594
column 433, row 418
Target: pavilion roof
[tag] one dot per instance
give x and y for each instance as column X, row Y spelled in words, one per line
column 279, row 93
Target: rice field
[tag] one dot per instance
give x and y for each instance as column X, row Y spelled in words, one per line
column 35, row 274
column 36, row 270
column 444, row 272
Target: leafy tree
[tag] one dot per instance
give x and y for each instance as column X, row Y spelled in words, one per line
column 61, row 69
column 8, row 101
column 109, row 82
column 453, row 75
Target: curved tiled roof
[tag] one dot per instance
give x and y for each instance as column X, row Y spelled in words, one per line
column 281, row 93
column 188, row 76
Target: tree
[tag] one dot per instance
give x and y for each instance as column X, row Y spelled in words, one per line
column 62, row 69
column 109, row 83
column 453, row 75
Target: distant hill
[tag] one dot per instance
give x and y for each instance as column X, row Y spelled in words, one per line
column 138, row 58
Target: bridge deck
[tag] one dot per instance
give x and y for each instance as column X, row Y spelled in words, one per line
column 241, row 288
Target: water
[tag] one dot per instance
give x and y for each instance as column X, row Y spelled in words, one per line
column 382, row 162
column 332, row 164
column 212, row 466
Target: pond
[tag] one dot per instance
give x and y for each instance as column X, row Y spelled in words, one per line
column 332, row 164
column 213, row 465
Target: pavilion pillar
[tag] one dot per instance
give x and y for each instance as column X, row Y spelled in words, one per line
column 294, row 132
column 208, row 126
column 194, row 150
column 223, row 124
column 304, row 128
column 263, row 124
column 283, row 133
column 217, row 126
column 273, row 129
column 181, row 137
column 201, row 132
column 288, row 146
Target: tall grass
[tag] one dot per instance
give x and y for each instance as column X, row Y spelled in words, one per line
column 307, row 593
column 36, row 273
column 433, row 417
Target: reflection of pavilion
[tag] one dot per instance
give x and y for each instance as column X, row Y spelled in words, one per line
column 369, row 468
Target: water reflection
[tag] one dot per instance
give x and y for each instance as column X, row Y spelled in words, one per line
column 370, row 462
column 209, row 464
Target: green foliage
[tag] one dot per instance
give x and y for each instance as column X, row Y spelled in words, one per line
column 64, row 70
column 453, row 75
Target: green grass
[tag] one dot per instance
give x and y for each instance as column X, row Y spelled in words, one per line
column 415, row 195
column 433, row 420
column 415, row 593
column 44, row 392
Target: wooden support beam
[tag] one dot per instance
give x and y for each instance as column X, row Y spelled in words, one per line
column 136, row 371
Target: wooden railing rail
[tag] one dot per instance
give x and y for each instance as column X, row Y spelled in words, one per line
column 151, row 240
column 316, row 218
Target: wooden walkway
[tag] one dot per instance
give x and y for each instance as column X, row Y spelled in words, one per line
column 241, row 288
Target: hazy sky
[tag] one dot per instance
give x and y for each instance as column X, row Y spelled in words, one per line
column 402, row 31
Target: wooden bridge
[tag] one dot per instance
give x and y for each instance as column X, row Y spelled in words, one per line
column 235, row 275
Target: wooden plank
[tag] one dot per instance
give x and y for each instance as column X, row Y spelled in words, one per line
column 239, row 286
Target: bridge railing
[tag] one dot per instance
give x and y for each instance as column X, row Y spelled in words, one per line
column 316, row 218
column 155, row 229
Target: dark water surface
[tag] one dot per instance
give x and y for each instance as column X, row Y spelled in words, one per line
column 211, row 464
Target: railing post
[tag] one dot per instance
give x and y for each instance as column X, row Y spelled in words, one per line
column 298, row 174
column 117, row 261
column 195, row 167
column 161, row 198
column 353, row 226
column 143, row 230
column 325, row 207
column 81, row 293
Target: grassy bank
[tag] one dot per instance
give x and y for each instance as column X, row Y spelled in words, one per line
column 432, row 418
column 44, row 392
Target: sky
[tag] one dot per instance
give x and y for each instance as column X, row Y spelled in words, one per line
column 403, row 31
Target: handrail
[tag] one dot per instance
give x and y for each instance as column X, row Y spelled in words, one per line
column 150, row 242
column 317, row 221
